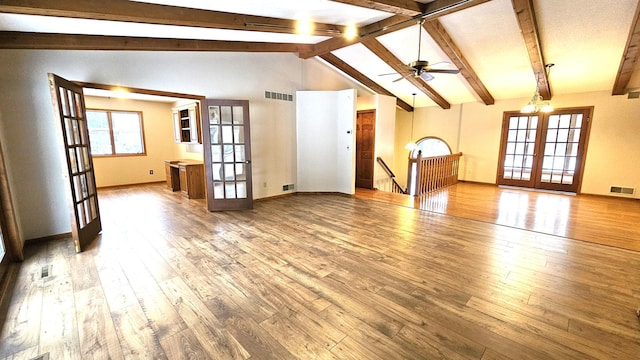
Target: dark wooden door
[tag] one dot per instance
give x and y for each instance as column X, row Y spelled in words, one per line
column 69, row 110
column 227, row 154
column 544, row 151
column 365, row 148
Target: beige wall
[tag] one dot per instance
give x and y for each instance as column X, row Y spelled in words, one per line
column 159, row 144
column 474, row 129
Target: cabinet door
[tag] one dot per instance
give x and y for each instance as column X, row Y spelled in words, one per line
column 176, row 126
column 193, row 123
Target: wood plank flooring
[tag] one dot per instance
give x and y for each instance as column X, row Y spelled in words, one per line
column 317, row 277
column 603, row 220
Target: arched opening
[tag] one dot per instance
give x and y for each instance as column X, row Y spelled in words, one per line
column 427, row 146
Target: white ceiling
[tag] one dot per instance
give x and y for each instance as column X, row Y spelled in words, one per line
column 585, row 39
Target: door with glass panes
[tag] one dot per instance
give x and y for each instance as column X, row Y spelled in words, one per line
column 544, row 150
column 82, row 196
column 227, row 154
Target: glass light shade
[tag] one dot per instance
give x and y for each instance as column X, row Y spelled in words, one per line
column 411, row 146
column 529, row 108
column 546, row 107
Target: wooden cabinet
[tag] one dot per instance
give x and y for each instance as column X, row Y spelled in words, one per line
column 187, row 176
column 186, row 124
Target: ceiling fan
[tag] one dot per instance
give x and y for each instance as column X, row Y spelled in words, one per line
column 422, row 68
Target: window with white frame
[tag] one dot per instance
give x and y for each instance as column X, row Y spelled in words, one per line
column 114, row 132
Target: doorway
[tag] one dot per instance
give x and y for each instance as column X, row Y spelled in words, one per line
column 365, row 148
column 544, row 150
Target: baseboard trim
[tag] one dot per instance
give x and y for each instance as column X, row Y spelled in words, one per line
column 129, row 185
column 324, row 193
column 45, row 239
column 274, row 197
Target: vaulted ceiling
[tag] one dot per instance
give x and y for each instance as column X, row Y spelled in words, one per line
column 501, row 47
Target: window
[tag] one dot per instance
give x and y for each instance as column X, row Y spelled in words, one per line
column 115, row 132
column 431, row 146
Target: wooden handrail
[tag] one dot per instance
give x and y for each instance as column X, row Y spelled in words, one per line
column 395, row 187
column 433, row 173
column 385, row 167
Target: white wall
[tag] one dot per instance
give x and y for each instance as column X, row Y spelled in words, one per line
column 612, row 154
column 326, row 141
column 28, row 131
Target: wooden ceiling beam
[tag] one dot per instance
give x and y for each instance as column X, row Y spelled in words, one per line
column 432, row 10
column 527, row 20
column 439, row 34
column 20, row 40
column 132, row 11
column 380, row 28
column 398, row 7
column 362, row 79
column 629, row 57
column 383, row 53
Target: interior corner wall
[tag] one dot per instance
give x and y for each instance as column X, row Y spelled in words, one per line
column 325, row 141
column 28, row 128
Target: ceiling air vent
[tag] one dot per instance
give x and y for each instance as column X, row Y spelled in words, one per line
column 623, row 190
column 633, row 95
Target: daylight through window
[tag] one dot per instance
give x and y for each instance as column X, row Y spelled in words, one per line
column 115, row 132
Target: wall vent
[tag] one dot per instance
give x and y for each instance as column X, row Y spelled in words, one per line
column 278, row 96
column 623, row 190
column 287, row 187
column 45, row 271
column 633, row 95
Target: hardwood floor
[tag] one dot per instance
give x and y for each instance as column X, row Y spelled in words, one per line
column 317, row 277
column 598, row 219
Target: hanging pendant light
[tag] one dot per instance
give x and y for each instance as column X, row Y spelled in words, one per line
column 412, row 145
column 537, row 103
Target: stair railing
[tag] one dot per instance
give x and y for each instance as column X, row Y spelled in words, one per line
column 395, row 187
column 433, row 173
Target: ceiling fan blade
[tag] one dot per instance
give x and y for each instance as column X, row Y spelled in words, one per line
column 442, row 71
column 426, row 76
column 393, row 73
column 440, row 63
column 404, row 77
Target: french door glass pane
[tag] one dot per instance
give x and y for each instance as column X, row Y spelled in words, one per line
column 216, row 153
column 238, row 115
column 518, row 163
column 228, row 158
column 561, row 149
